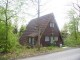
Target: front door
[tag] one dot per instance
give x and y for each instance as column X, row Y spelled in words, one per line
column 51, row 40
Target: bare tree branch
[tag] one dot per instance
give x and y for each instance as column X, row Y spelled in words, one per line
column 77, row 6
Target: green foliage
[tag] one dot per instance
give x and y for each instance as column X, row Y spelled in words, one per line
column 70, row 41
column 12, row 40
column 10, row 44
column 73, row 38
column 64, row 31
column 15, row 30
column 22, row 29
column 8, row 40
column 2, row 36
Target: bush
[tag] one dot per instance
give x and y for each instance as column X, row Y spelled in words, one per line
column 13, row 41
column 70, row 41
column 11, row 44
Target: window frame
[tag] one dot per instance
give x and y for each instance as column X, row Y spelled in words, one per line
column 30, row 40
column 47, row 38
column 51, row 24
column 33, row 41
column 56, row 38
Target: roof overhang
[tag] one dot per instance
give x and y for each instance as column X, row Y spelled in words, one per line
column 33, row 35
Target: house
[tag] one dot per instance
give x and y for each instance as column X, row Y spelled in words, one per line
column 49, row 30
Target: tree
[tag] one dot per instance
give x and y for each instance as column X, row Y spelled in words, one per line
column 38, row 24
column 73, row 38
column 37, row 3
column 7, row 38
column 22, row 29
column 76, row 8
column 65, row 31
column 15, row 30
column 73, row 24
column 2, row 36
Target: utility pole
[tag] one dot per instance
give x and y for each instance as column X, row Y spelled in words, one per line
column 39, row 31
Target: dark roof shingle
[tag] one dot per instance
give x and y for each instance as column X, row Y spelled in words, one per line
column 42, row 21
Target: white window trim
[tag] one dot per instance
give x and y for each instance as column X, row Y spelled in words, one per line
column 47, row 39
column 56, row 38
column 51, row 24
column 29, row 40
column 33, row 41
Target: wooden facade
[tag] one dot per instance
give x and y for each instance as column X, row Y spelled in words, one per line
column 49, row 30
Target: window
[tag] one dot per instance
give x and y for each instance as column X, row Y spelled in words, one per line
column 33, row 41
column 51, row 24
column 56, row 38
column 46, row 38
column 30, row 40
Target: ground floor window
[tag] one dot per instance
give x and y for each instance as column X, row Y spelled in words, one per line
column 56, row 38
column 47, row 38
column 50, row 39
column 31, row 40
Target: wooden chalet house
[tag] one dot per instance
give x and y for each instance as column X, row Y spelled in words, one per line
column 49, row 30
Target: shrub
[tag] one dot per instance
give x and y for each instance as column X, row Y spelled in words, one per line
column 71, row 41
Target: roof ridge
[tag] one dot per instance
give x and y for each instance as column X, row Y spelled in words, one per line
column 44, row 16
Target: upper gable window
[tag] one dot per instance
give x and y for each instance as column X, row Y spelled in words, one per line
column 51, row 24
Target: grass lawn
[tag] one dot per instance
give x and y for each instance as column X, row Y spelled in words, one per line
column 25, row 52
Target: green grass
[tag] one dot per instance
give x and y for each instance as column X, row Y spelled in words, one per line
column 25, row 52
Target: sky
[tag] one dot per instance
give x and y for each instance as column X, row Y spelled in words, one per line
column 59, row 8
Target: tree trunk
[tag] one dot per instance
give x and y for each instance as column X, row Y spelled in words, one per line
column 6, row 23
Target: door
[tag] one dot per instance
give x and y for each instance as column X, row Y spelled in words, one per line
column 51, row 40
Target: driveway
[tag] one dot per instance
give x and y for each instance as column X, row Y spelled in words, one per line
column 72, row 54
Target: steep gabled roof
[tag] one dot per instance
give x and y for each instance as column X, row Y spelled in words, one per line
column 42, row 21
